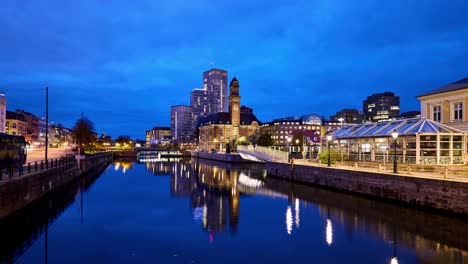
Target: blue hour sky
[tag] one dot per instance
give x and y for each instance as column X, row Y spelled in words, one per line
column 124, row 63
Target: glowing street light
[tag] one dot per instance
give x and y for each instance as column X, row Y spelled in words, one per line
column 395, row 166
column 329, row 138
column 341, row 120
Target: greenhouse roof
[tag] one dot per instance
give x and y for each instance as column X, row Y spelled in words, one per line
column 404, row 127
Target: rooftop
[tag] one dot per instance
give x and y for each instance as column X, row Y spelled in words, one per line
column 404, row 127
column 458, row 85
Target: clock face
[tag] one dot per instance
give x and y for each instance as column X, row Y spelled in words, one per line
column 236, row 107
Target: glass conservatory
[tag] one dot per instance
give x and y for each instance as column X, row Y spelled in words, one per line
column 418, row 140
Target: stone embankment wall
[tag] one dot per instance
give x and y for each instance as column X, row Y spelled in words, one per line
column 18, row 192
column 449, row 196
column 224, row 157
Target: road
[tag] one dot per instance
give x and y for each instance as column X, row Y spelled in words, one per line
column 53, row 153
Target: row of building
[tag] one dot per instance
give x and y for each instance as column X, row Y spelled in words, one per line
column 32, row 127
column 438, row 136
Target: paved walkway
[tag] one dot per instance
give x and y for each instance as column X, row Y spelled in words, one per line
column 52, row 153
column 457, row 173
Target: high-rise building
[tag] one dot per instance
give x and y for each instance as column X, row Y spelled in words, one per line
column 199, row 102
column 381, row 107
column 2, row 113
column 181, row 122
column 215, row 83
column 217, row 130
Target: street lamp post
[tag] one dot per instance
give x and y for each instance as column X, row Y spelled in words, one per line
column 297, row 144
column 289, row 143
column 395, row 166
column 329, row 138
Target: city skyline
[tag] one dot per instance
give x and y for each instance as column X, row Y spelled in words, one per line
column 125, row 65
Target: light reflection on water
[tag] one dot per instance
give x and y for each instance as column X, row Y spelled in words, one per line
column 231, row 208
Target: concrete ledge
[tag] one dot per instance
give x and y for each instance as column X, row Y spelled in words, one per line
column 224, row 157
column 448, row 196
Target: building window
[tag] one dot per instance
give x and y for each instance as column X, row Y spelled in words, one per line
column 458, row 111
column 436, row 113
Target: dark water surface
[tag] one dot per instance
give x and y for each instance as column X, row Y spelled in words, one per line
column 197, row 211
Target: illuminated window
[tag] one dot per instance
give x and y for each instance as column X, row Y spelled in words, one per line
column 395, row 107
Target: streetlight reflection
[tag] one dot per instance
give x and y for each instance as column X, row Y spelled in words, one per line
column 297, row 219
column 289, row 220
column 329, row 232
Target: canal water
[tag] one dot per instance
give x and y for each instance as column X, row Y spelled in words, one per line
column 198, row 211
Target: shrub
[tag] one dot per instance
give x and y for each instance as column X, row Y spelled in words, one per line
column 334, row 156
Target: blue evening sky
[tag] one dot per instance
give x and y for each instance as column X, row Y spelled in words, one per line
column 124, row 63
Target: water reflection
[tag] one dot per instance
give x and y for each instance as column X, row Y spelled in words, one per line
column 215, row 191
column 22, row 229
column 236, row 206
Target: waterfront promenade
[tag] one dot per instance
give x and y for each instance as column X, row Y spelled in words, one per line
column 458, row 173
column 38, row 154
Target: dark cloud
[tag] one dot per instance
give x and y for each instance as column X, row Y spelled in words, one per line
column 124, row 63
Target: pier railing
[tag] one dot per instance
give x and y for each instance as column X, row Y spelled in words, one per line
column 12, row 172
column 452, row 172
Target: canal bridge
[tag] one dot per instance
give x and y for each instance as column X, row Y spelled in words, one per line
column 262, row 154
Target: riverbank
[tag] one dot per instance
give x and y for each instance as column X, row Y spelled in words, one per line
column 438, row 194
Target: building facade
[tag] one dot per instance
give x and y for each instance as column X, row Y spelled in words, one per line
column 215, row 83
column 217, row 130
column 419, row 141
column 2, row 113
column 246, row 110
column 157, row 136
column 32, row 133
column 182, row 123
column 282, row 130
column 381, row 107
column 447, row 104
column 410, row 114
column 60, row 136
column 199, row 101
column 347, row 116
column 16, row 124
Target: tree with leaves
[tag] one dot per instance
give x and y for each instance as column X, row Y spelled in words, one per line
column 83, row 133
column 265, row 140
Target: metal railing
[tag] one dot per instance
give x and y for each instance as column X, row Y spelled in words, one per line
column 454, row 172
column 12, row 172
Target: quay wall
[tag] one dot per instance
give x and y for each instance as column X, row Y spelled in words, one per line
column 443, row 195
column 19, row 192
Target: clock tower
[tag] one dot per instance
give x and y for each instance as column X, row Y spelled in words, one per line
column 234, row 107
